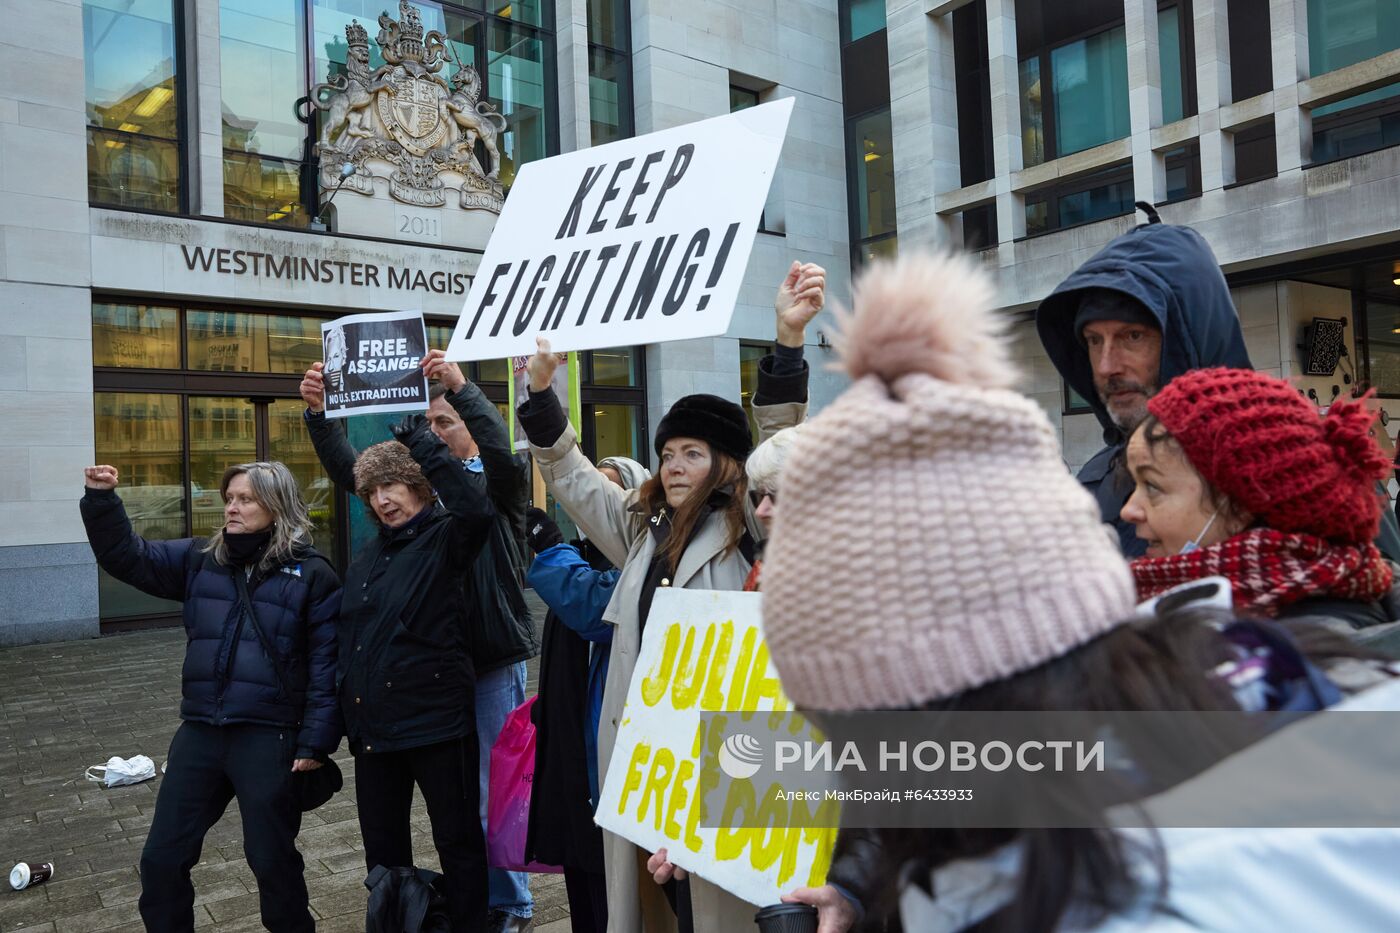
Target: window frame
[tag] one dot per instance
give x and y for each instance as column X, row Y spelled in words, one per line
column 182, row 113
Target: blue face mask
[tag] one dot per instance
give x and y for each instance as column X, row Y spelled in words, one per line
column 1195, row 543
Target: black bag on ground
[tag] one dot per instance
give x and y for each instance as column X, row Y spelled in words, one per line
column 405, row 900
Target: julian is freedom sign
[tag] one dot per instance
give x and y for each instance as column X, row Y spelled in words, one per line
column 635, row 242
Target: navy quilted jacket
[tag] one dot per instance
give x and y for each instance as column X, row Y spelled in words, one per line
column 228, row 677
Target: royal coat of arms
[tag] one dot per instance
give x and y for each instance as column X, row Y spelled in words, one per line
column 406, row 117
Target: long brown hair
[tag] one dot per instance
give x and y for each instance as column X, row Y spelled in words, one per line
column 722, row 491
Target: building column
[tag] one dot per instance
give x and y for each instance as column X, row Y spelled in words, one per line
column 1144, row 99
column 47, row 573
column 923, row 119
column 1288, row 21
column 1212, row 38
column 571, row 44
column 206, row 142
column 1004, row 78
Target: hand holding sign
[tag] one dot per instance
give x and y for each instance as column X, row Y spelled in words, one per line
column 449, row 374
column 542, row 366
column 663, row 871
column 800, row 298
column 313, row 388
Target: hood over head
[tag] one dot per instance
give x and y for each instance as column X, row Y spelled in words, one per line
column 632, row 473
column 1172, row 272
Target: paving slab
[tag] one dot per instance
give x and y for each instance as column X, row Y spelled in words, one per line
column 69, row 705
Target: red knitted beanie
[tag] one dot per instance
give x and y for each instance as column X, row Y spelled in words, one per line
column 1258, row 441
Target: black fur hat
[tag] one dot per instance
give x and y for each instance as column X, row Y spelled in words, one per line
column 716, row 421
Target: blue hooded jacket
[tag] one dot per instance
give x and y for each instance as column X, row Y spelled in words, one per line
column 1173, row 273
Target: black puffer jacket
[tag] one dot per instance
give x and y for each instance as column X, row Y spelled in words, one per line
column 502, row 630
column 228, row 677
column 405, row 672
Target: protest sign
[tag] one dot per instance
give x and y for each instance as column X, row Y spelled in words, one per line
column 668, row 783
column 638, row 241
column 371, row 363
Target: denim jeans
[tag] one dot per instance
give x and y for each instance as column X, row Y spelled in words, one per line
column 497, row 693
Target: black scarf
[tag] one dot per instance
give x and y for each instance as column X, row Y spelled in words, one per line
column 245, row 549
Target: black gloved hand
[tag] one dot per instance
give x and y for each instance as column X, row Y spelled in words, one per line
column 408, row 428
column 541, row 531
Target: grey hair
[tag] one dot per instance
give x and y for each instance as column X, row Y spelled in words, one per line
column 765, row 464
column 276, row 490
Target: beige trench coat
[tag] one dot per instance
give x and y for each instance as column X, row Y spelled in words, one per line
column 604, row 512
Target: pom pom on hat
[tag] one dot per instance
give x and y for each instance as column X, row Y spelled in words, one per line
column 929, row 314
column 930, row 539
column 1259, row 442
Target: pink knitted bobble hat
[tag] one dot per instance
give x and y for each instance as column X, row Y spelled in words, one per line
column 930, row 539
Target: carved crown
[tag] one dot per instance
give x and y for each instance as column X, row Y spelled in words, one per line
column 410, row 23
column 355, row 34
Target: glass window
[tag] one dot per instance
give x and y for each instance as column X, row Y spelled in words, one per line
column 261, row 59
column 741, row 98
column 1383, row 346
column 617, row 431
column 609, row 96
column 608, row 23
column 493, row 371
column 614, row 367
column 1169, row 52
column 139, row 434
column 872, row 160
column 515, row 62
column 138, row 336
column 749, row 356
column 222, row 432
column 1032, row 113
column 1096, row 203
column 530, row 12
column 238, row 342
column 132, row 103
column 1074, row 402
column 886, row 247
column 862, row 17
column 1342, row 33
column 289, row 442
column 1080, row 201
column 1090, row 78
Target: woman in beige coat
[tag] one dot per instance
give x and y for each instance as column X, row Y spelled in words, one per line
column 690, row 526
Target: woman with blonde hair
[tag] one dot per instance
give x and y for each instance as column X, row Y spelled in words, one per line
column 259, row 709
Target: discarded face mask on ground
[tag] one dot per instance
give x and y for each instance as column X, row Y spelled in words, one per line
column 119, row 771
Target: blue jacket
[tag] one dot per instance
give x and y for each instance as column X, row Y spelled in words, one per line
column 1172, row 271
column 578, row 594
column 228, row 677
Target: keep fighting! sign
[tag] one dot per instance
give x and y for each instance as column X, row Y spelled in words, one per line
column 635, row 242
column 702, row 673
column 371, row 363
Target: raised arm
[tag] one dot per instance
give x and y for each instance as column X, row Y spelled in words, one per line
column 333, row 449
column 153, row 567
column 470, row 509
column 507, row 476
column 780, row 400
column 595, row 503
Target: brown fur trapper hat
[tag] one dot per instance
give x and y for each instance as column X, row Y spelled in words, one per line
column 389, row 462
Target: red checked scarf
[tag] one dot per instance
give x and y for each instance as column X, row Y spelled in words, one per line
column 1271, row 569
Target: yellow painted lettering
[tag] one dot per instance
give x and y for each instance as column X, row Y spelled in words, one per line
column 660, row 775
column 689, row 679
column 713, row 698
column 760, row 683
column 658, row 681
column 679, row 796
column 640, row 754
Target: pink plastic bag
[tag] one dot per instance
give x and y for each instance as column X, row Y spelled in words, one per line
column 508, row 803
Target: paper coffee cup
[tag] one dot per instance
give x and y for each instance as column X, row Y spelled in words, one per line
column 28, row 874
